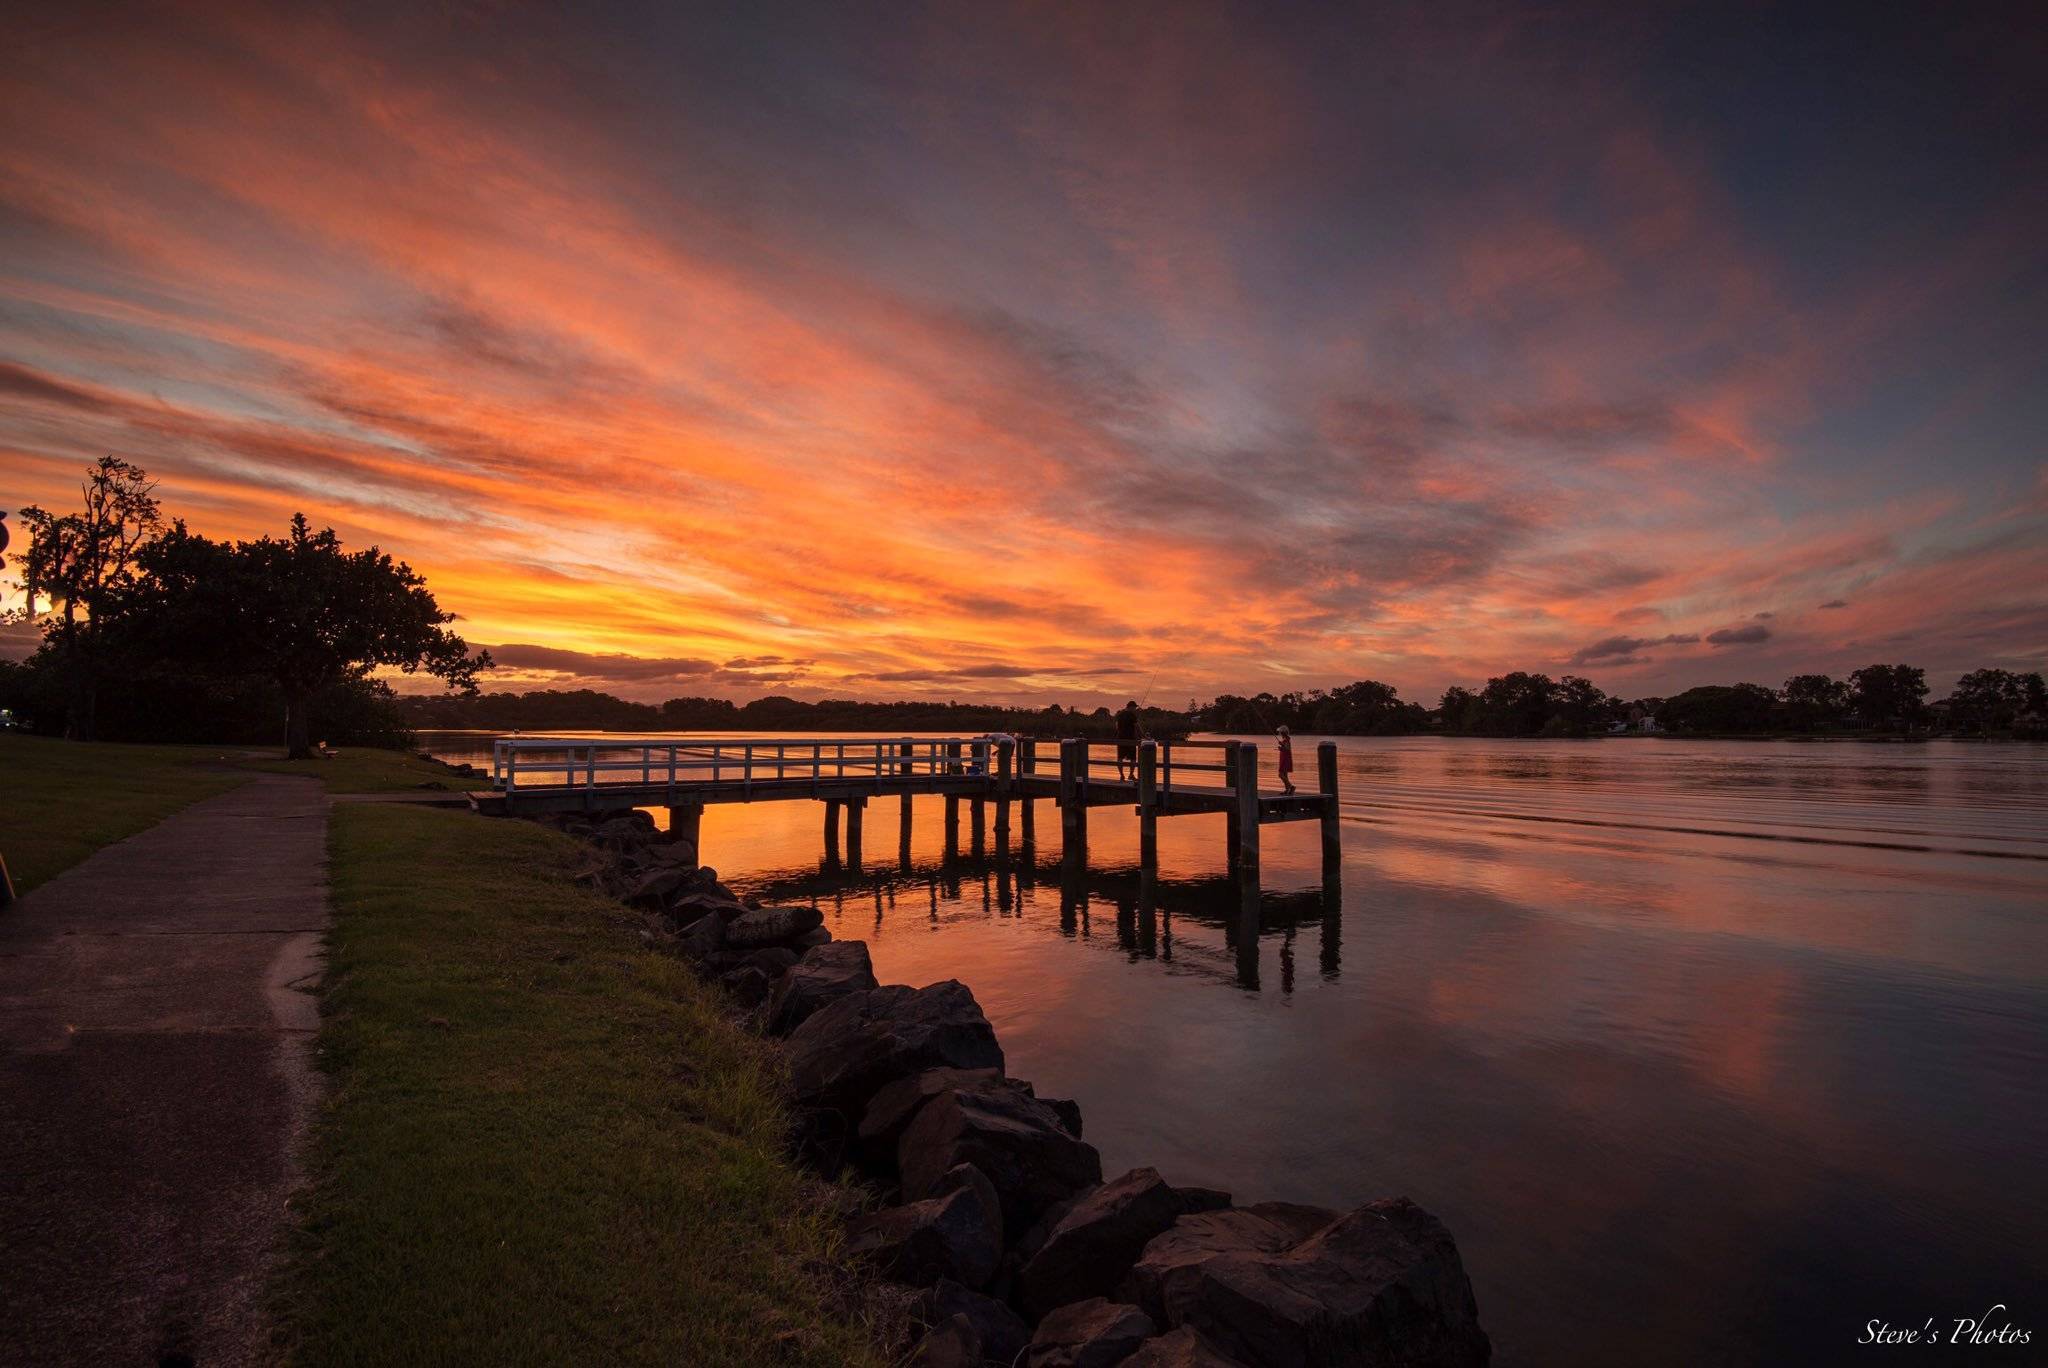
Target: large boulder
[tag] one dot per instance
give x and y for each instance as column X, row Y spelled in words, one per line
column 951, row 1343
column 702, row 937
column 920, row 1242
column 676, row 852
column 1001, row 1332
column 1182, row 1348
column 1159, row 1280
column 1203, row 1199
column 658, row 885
column 1016, row 1140
column 851, row 1047
column 1097, row 1333
column 895, row 1104
column 966, row 1177
column 1098, row 1239
column 771, row 926
column 824, row 973
column 1380, row 1286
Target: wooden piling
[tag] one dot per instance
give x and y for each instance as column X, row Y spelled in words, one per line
column 831, row 831
column 1073, row 801
column 1005, row 782
column 952, row 826
column 1326, row 781
column 978, row 821
column 855, row 809
column 1248, row 809
column 903, row 832
column 1148, row 803
column 1231, row 839
column 686, row 823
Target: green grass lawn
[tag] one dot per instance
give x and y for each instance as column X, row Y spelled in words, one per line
column 543, row 1143
column 62, row 800
column 363, row 769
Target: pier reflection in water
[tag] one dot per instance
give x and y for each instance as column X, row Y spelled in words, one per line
column 1128, row 906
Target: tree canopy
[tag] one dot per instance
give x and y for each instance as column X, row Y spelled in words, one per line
column 298, row 610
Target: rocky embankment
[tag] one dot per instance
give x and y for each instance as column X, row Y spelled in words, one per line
column 997, row 1239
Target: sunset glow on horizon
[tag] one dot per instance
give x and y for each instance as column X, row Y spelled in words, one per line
column 1059, row 354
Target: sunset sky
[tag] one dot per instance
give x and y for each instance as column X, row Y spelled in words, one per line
column 1027, row 352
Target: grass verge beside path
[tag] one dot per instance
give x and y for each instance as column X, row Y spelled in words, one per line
column 544, row 1143
column 364, row 769
column 62, row 800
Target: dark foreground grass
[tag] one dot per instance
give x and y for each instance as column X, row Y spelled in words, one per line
column 62, row 800
column 543, row 1143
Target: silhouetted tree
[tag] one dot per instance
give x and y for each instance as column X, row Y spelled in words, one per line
column 299, row 611
column 1889, row 695
column 1814, row 701
column 1991, row 700
column 82, row 563
column 1720, row 708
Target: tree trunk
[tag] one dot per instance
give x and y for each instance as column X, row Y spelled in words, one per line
column 298, row 729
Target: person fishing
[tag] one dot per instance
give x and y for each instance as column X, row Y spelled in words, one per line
column 1127, row 741
column 1286, row 739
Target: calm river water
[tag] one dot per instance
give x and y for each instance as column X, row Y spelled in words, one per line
column 1706, row 1052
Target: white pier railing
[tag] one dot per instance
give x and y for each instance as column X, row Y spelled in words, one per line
column 593, row 762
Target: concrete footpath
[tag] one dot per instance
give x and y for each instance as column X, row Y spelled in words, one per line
column 156, row 1021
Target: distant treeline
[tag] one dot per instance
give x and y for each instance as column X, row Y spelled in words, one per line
column 545, row 710
column 1878, row 698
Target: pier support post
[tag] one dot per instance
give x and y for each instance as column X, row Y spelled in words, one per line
column 1231, row 839
column 1326, row 781
column 978, row 821
column 1248, row 810
column 952, row 826
column 686, row 823
column 1073, row 801
column 855, row 809
column 831, row 831
column 1027, row 808
column 1148, row 804
column 903, row 833
column 1005, row 784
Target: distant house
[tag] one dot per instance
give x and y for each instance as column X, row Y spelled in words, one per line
column 1641, row 719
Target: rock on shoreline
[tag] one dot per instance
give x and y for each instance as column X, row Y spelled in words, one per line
column 997, row 1208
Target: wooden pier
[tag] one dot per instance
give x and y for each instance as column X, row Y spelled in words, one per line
column 1153, row 778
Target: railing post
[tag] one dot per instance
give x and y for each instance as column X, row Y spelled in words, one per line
column 1248, row 809
column 1326, row 780
column 1148, row 803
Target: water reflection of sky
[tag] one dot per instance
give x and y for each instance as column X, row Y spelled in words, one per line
column 1722, row 1050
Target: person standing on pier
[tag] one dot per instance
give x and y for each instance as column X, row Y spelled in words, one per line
column 1127, row 741
column 1286, row 739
